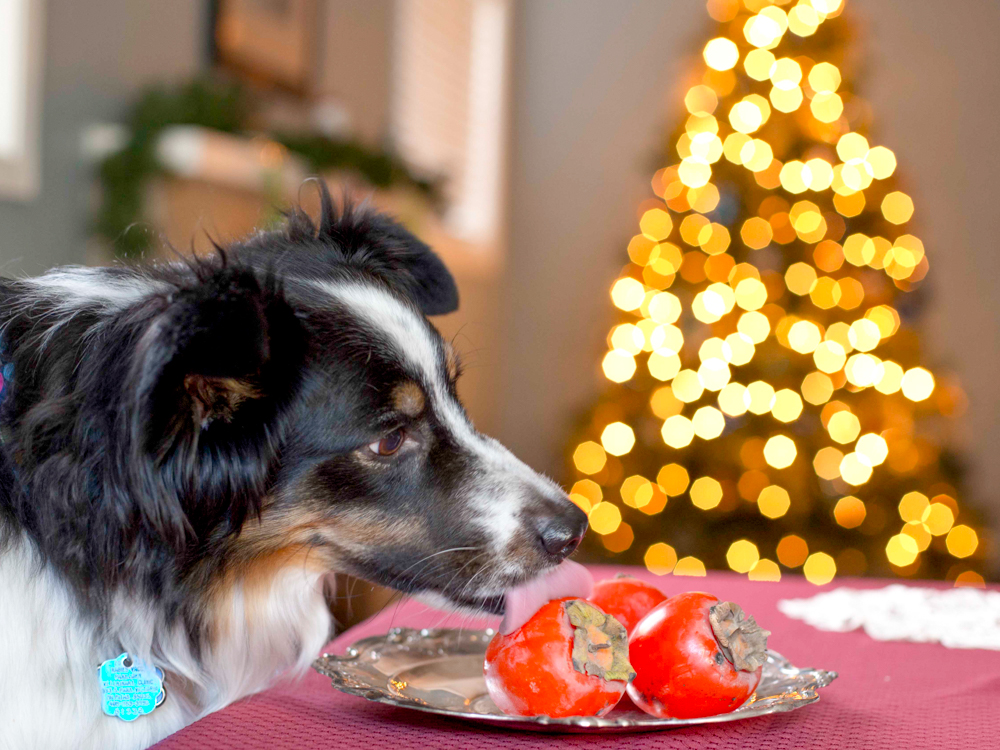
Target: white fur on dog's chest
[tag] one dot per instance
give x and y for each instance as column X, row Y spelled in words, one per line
column 49, row 691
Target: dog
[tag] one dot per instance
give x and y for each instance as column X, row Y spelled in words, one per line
column 191, row 449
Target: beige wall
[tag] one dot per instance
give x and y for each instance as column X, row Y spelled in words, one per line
column 98, row 54
column 595, row 84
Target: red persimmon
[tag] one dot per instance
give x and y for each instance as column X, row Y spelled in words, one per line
column 625, row 598
column 695, row 656
column 569, row 659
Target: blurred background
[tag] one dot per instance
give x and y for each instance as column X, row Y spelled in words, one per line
column 520, row 138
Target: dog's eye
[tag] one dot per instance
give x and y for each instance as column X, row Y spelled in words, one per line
column 389, row 444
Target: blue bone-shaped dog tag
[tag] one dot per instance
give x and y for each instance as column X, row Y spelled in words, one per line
column 130, row 688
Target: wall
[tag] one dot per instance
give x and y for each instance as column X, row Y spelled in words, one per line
column 98, row 54
column 595, row 82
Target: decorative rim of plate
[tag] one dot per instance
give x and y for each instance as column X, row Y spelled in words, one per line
column 786, row 687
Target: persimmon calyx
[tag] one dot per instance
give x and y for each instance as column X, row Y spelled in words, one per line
column 600, row 642
column 741, row 640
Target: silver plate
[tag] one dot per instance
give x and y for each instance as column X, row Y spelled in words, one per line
column 440, row 671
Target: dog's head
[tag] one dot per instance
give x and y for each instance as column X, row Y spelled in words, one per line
column 287, row 399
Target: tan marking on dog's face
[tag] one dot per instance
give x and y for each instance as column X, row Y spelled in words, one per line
column 408, row 398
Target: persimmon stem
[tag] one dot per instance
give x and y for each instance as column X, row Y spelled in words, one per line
column 741, row 640
column 600, row 642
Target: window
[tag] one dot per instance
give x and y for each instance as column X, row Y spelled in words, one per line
column 20, row 96
column 450, row 103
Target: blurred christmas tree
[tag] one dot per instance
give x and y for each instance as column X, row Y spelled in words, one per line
column 769, row 406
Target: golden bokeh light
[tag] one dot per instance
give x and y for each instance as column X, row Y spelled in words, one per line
column 829, row 357
column 826, row 463
column 673, row 479
column 755, row 326
column 901, row 550
column 656, row 224
column 688, row 386
column 627, row 294
column 664, row 404
column 660, row 558
column 938, row 519
column 892, row 378
column 817, row 388
column 689, row 566
column 618, row 365
column 664, row 307
column 863, row 370
column 970, row 578
column 787, row 405
column 917, row 384
column 873, row 448
column 587, row 490
column 628, row 338
column 733, row 400
column 792, row 551
column 780, row 451
column 882, row 162
column 962, row 541
column 721, row 54
column 897, row 207
column 708, row 423
column 758, row 64
column 705, row 493
column 677, row 431
column 759, row 397
column 844, row 427
column 849, row 512
column 764, row 30
column 800, row 278
column 773, row 501
column 855, row 469
column 852, row 146
column 864, row 335
column 618, row 438
column 589, row 457
column 714, row 374
column 620, row 539
column 751, row 294
column 804, row 336
column 827, row 107
column 765, row 570
column 819, row 568
column 663, row 366
column 700, row 101
column 824, row 78
column 803, row 20
column 694, row 171
column 918, row 533
column 742, row 555
column 636, row 491
column 605, row 518
column 912, row 506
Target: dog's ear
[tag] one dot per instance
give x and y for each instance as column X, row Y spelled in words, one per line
column 361, row 239
column 216, row 366
column 399, row 258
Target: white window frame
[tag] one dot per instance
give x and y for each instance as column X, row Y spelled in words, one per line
column 20, row 170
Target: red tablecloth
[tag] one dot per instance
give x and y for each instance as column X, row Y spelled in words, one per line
column 889, row 695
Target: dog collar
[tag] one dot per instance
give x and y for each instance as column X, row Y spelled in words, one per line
column 130, row 687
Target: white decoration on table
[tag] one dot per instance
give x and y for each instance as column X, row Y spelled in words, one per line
column 956, row 618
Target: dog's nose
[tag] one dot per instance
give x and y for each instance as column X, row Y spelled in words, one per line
column 562, row 534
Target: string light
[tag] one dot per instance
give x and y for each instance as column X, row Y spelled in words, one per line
column 756, row 322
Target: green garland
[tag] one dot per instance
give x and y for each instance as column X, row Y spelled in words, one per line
column 223, row 107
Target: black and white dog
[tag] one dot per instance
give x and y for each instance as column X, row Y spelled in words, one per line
column 189, row 451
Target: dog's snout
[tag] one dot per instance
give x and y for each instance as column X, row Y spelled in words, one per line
column 561, row 534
